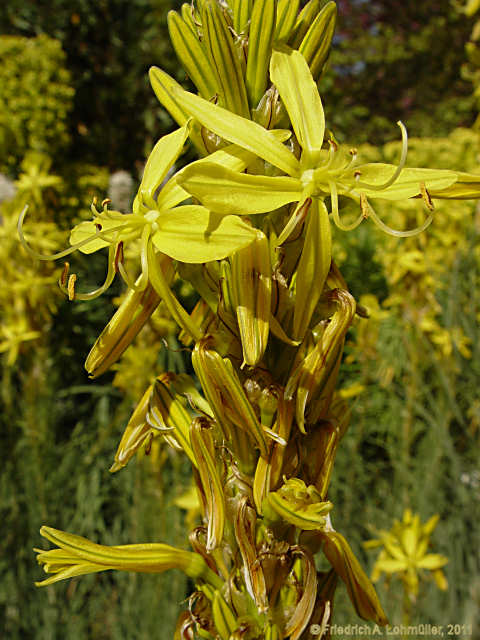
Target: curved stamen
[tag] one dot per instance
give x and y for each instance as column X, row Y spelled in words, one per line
column 99, row 235
column 96, row 292
column 331, row 154
column 398, row 170
column 335, row 212
column 395, row 232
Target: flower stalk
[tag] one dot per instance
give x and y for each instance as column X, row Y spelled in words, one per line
column 248, row 226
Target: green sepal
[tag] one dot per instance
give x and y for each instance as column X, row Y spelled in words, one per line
column 315, row 46
column 163, row 156
column 466, row 186
column 130, row 317
column 223, row 617
column 168, row 413
column 136, row 433
column 407, row 185
column 242, row 10
column 78, row 556
column 261, row 32
column 303, row 22
column 191, row 54
column 287, row 11
column 219, row 45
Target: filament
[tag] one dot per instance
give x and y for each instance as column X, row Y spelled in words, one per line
column 96, row 292
column 398, row 170
column 335, row 213
column 99, row 235
column 396, row 232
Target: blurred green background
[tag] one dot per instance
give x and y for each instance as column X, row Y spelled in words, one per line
column 75, row 109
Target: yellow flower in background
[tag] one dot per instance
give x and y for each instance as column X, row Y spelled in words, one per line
column 405, row 552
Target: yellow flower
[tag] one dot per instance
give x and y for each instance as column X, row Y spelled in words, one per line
column 405, row 552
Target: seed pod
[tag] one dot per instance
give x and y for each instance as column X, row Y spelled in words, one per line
column 314, row 378
column 313, row 267
column 360, row 589
column 223, row 617
column 304, row 609
column 269, row 469
column 212, row 485
column 226, row 396
column 245, row 533
column 252, row 294
column 135, row 435
column 167, row 414
column 130, row 317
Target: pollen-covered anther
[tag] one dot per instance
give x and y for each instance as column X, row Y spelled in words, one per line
column 364, row 206
column 353, row 151
column 106, row 202
column 426, row 197
column 333, row 145
column 118, row 255
column 357, row 174
column 64, row 276
column 71, row 286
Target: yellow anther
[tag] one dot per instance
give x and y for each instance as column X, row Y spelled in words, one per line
column 364, row 206
column 426, row 197
column 105, row 202
column 63, row 277
column 118, row 255
column 71, row 286
column 333, row 145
